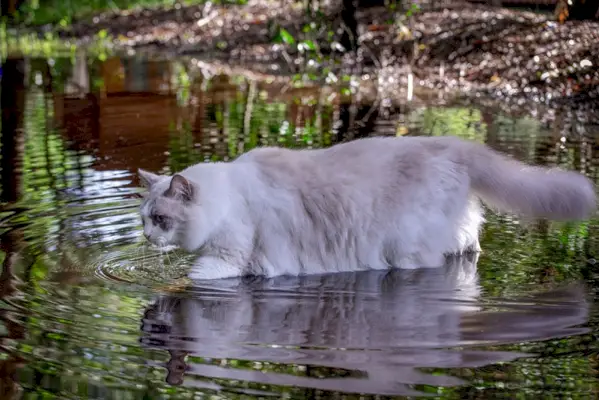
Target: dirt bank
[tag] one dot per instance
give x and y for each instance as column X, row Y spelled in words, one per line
column 472, row 48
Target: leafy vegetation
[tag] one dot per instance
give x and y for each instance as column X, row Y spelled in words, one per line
column 63, row 13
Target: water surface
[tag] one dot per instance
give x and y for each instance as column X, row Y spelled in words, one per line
column 87, row 310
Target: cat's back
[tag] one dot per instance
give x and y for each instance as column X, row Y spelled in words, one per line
column 374, row 147
column 394, row 147
column 373, row 160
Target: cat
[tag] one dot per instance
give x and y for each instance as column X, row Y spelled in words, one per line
column 373, row 203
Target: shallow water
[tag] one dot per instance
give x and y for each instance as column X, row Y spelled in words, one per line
column 89, row 311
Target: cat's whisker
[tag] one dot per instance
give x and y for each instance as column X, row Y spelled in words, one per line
column 179, row 259
column 166, row 255
column 136, row 254
column 144, row 256
column 140, row 248
column 163, row 254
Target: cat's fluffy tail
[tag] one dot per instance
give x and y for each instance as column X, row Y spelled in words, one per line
column 537, row 192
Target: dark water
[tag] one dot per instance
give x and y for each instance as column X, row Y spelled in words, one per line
column 88, row 311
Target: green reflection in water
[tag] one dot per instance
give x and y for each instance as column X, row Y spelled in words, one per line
column 72, row 333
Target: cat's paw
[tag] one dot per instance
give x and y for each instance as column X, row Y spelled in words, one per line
column 213, row 270
column 201, row 274
column 179, row 285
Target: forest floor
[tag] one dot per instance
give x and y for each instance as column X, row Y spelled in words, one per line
column 451, row 45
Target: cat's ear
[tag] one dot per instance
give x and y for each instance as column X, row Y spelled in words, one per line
column 180, row 188
column 146, row 178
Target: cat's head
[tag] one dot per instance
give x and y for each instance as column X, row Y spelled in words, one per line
column 164, row 209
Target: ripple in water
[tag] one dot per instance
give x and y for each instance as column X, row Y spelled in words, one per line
column 377, row 332
column 499, row 328
column 142, row 264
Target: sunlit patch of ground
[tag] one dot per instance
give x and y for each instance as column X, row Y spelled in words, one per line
column 446, row 46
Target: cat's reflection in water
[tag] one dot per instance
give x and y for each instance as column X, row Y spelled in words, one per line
column 379, row 327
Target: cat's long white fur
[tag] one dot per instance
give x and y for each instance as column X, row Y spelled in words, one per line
column 368, row 204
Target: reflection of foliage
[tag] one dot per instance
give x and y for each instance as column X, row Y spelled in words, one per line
column 461, row 122
column 182, row 152
column 44, row 159
column 515, row 255
column 244, row 121
column 84, row 340
column 32, row 45
column 569, row 374
column 181, row 80
column 48, row 47
column 88, row 326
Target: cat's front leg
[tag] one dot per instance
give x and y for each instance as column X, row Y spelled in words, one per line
column 209, row 267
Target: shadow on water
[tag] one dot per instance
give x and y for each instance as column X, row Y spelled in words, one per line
column 76, row 281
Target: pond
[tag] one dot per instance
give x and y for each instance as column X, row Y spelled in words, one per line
column 89, row 311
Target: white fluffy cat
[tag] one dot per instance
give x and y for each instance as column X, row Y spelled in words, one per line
column 368, row 204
